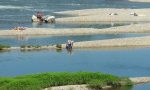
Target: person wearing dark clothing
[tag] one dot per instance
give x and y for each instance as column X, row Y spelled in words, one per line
column 39, row 16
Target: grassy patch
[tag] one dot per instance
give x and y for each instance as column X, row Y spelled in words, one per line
column 4, row 46
column 30, row 46
column 58, row 46
column 39, row 81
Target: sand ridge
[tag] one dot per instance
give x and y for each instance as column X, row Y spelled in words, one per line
column 139, row 0
column 134, row 28
column 105, row 15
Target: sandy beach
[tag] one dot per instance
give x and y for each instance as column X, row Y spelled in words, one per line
column 122, row 42
column 105, row 15
column 139, row 0
column 134, row 28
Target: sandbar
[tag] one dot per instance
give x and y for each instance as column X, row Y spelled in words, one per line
column 134, row 28
column 139, row 0
column 105, row 15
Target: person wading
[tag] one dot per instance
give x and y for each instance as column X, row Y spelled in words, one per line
column 39, row 16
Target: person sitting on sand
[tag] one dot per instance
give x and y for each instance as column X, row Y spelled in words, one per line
column 19, row 28
column 134, row 14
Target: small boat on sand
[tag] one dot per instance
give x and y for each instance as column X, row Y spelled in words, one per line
column 45, row 19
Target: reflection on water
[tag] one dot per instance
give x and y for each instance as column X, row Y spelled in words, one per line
column 142, row 87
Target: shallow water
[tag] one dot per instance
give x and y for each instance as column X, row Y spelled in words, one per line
column 121, row 62
column 18, row 12
column 136, row 87
column 46, row 40
column 98, row 25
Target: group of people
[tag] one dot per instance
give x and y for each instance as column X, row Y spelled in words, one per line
column 19, row 28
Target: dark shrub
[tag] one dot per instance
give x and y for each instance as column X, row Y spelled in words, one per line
column 58, row 46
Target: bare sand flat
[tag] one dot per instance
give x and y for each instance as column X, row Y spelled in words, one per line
column 106, row 14
column 135, row 28
column 73, row 87
column 139, row 0
column 122, row 42
column 110, row 43
column 138, row 80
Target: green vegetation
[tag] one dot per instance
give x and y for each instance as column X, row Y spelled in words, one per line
column 30, row 46
column 97, row 84
column 39, row 81
column 58, row 46
column 2, row 47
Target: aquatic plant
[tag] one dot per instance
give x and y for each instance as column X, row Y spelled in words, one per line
column 2, row 47
column 40, row 81
column 58, row 46
column 29, row 46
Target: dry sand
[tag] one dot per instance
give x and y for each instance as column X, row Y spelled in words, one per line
column 96, row 15
column 139, row 0
column 73, row 87
column 122, row 42
column 135, row 28
column 138, row 80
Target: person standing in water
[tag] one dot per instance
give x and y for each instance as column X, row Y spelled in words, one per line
column 39, row 16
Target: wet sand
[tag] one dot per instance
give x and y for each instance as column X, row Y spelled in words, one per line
column 139, row 0
column 103, row 15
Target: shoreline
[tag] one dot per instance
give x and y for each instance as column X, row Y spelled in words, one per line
column 134, row 42
column 69, row 81
column 139, row 0
column 135, row 80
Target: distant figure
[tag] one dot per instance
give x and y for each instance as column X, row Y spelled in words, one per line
column 113, row 14
column 39, row 16
column 19, row 28
column 69, row 44
column 134, row 14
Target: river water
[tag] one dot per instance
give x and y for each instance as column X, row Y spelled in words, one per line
column 121, row 61
column 18, row 12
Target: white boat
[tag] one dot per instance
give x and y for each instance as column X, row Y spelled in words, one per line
column 46, row 19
